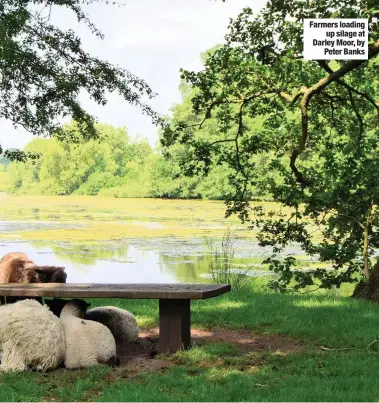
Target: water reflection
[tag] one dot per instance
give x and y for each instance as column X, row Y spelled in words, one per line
column 88, row 255
column 126, row 264
column 187, row 268
column 144, row 260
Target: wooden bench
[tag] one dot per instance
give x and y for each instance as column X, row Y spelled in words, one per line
column 174, row 302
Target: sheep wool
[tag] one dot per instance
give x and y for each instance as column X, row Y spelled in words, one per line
column 17, row 267
column 31, row 337
column 120, row 322
column 88, row 343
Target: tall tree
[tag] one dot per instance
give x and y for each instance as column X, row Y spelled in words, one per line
column 43, row 69
column 317, row 143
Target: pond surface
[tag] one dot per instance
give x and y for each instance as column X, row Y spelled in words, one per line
column 103, row 240
column 165, row 261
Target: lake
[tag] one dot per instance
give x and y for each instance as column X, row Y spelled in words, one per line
column 104, row 240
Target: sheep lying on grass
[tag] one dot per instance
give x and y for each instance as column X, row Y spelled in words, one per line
column 31, row 337
column 120, row 322
column 88, row 343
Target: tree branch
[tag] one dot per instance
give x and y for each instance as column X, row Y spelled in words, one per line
column 293, row 99
column 326, row 67
column 309, row 94
column 357, row 114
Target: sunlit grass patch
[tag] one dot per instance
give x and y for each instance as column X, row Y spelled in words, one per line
column 317, row 302
column 297, row 377
column 206, row 354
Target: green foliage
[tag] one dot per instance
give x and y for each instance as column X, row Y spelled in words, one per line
column 43, row 69
column 114, row 167
column 222, row 262
column 212, row 175
column 85, row 168
column 303, row 132
column 96, row 182
column 4, row 179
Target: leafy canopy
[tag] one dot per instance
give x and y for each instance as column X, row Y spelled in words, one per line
column 118, row 166
column 43, row 69
column 315, row 147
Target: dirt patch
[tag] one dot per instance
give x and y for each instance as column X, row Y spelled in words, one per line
column 141, row 356
column 246, row 341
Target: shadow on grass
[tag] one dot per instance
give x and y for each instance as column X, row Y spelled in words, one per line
column 318, row 318
column 219, row 372
column 330, row 320
column 305, row 377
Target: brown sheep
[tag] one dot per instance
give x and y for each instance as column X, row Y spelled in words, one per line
column 17, row 267
column 14, row 255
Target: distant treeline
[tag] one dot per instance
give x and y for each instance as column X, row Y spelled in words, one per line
column 114, row 166
column 119, row 166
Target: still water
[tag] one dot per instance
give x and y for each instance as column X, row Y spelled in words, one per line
column 128, row 263
column 102, row 240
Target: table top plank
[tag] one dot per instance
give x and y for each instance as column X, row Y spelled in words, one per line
column 128, row 291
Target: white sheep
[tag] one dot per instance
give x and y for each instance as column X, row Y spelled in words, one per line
column 88, row 343
column 31, row 337
column 120, row 322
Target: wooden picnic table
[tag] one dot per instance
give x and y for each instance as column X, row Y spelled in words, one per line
column 174, row 302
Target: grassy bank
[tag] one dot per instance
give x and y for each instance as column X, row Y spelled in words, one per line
column 221, row 371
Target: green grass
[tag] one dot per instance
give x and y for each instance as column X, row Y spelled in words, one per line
column 309, row 377
column 223, row 372
column 323, row 318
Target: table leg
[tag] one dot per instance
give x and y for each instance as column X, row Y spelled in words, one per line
column 174, row 325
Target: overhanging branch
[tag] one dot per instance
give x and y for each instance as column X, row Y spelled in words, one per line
column 326, row 67
column 315, row 89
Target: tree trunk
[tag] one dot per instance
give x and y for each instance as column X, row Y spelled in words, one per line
column 366, row 264
column 370, row 289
